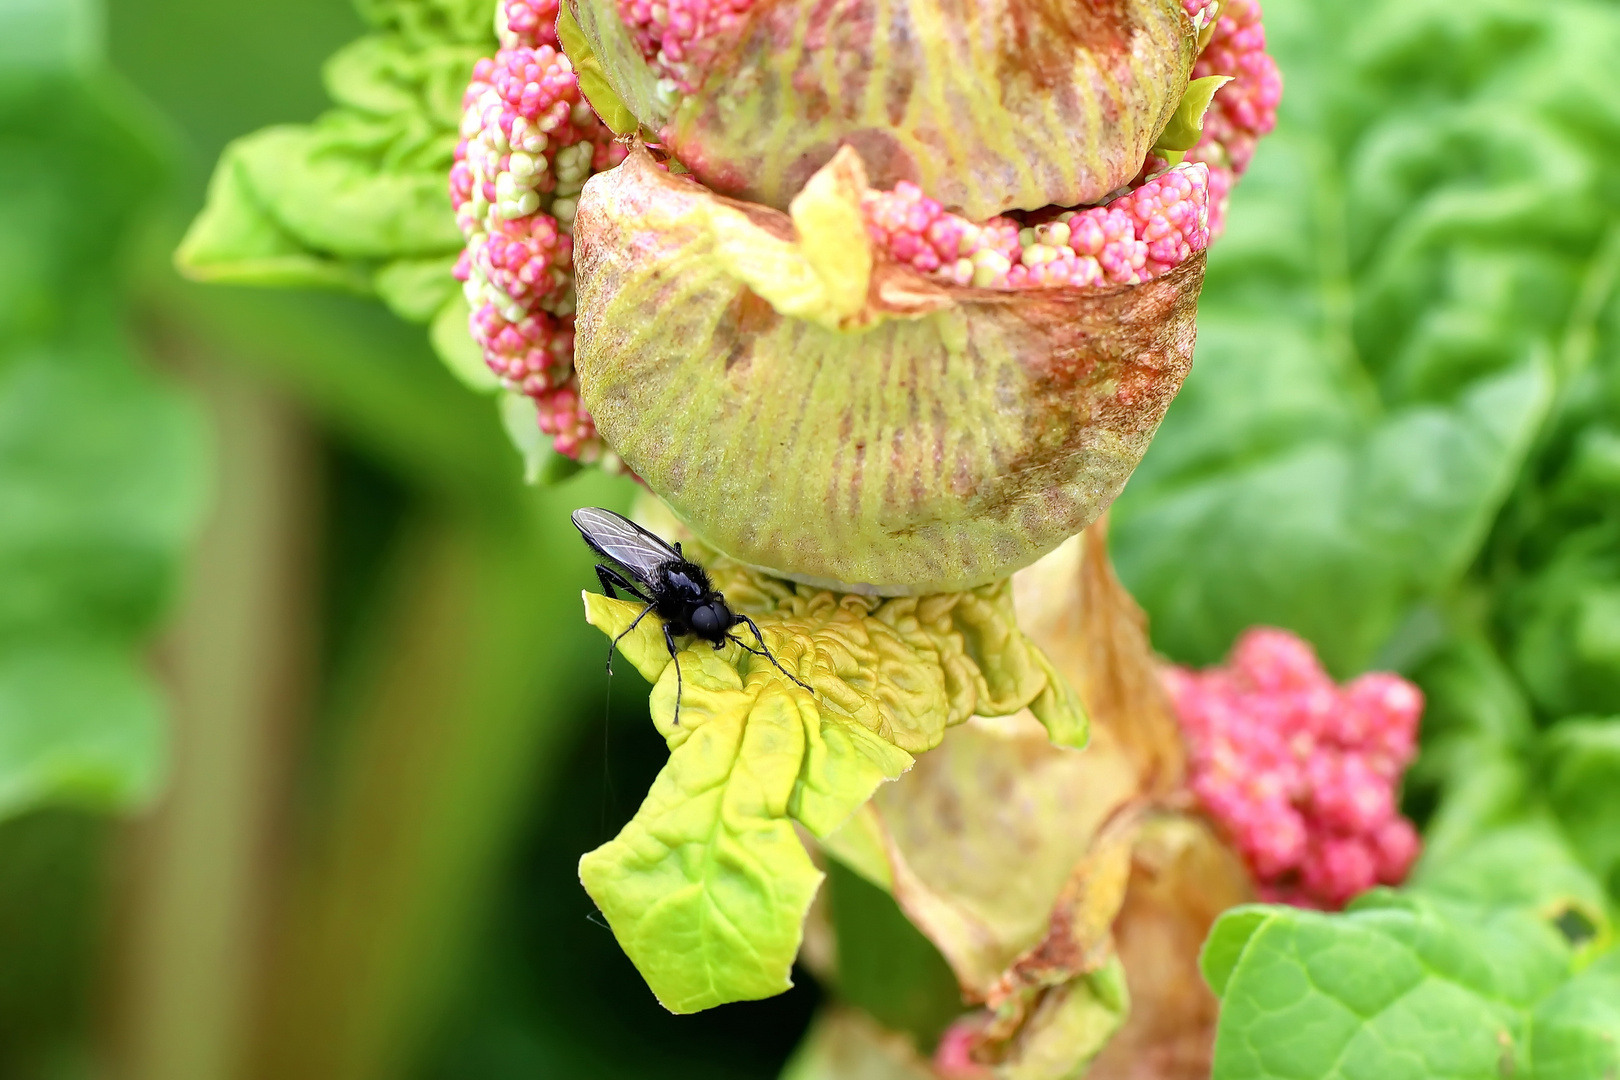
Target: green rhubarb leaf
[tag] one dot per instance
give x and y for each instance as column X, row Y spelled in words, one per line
column 355, row 186
column 707, row 887
column 454, row 344
column 1583, row 789
column 102, row 476
column 1399, row 986
column 418, row 289
column 1382, row 325
column 1576, row 1032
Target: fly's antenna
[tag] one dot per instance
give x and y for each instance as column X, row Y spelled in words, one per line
column 765, row 651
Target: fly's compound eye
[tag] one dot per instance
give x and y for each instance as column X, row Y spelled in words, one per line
column 708, row 622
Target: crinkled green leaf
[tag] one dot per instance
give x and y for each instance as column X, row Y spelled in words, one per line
column 1397, row 987
column 384, row 76
column 1576, row 1033
column 322, row 204
column 470, row 21
column 357, row 187
column 235, row 240
column 707, row 887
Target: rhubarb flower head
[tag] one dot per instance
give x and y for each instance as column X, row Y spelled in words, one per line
column 1302, row 773
column 891, row 298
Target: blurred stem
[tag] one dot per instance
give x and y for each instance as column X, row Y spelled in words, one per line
column 237, row 660
column 470, row 680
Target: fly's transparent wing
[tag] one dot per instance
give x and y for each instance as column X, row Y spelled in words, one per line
column 623, row 541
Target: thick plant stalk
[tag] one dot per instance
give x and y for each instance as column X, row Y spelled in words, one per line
column 464, row 692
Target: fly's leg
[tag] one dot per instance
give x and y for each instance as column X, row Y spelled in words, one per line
column 610, row 577
column 674, row 658
column 614, row 644
column 764, row 650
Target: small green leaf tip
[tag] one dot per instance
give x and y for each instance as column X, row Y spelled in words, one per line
column 1186, row 125
column 707, row 887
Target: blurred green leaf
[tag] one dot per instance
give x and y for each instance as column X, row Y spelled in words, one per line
column 1583, row 789
column 101, row 482
column 80, row 723
column 1384, row 332
column 101, row 466
column 433, row 20
column 1576, row 1034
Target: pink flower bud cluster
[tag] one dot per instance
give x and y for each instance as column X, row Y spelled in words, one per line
column 529, row 142
column 1132, row 239
column 1302, row 773
column 1245, row 108
column 679, row 38
column 529, row 23
column 1201, row 11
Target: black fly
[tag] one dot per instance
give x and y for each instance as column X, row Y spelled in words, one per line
column 673, row 587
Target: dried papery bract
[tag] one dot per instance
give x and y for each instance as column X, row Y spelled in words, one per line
column 990, row 105
column 925, row 439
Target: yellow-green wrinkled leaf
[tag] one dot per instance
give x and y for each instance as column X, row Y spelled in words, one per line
column 707, row 887
column 1187, row 124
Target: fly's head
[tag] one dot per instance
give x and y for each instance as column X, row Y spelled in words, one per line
column 713, row 620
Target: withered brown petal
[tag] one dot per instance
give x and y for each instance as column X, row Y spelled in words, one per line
column 1182, row 877
column 1073, row 606
column 985, row 835
column 927, row 449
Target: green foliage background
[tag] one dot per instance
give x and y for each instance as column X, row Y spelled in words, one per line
column 1401, row 438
